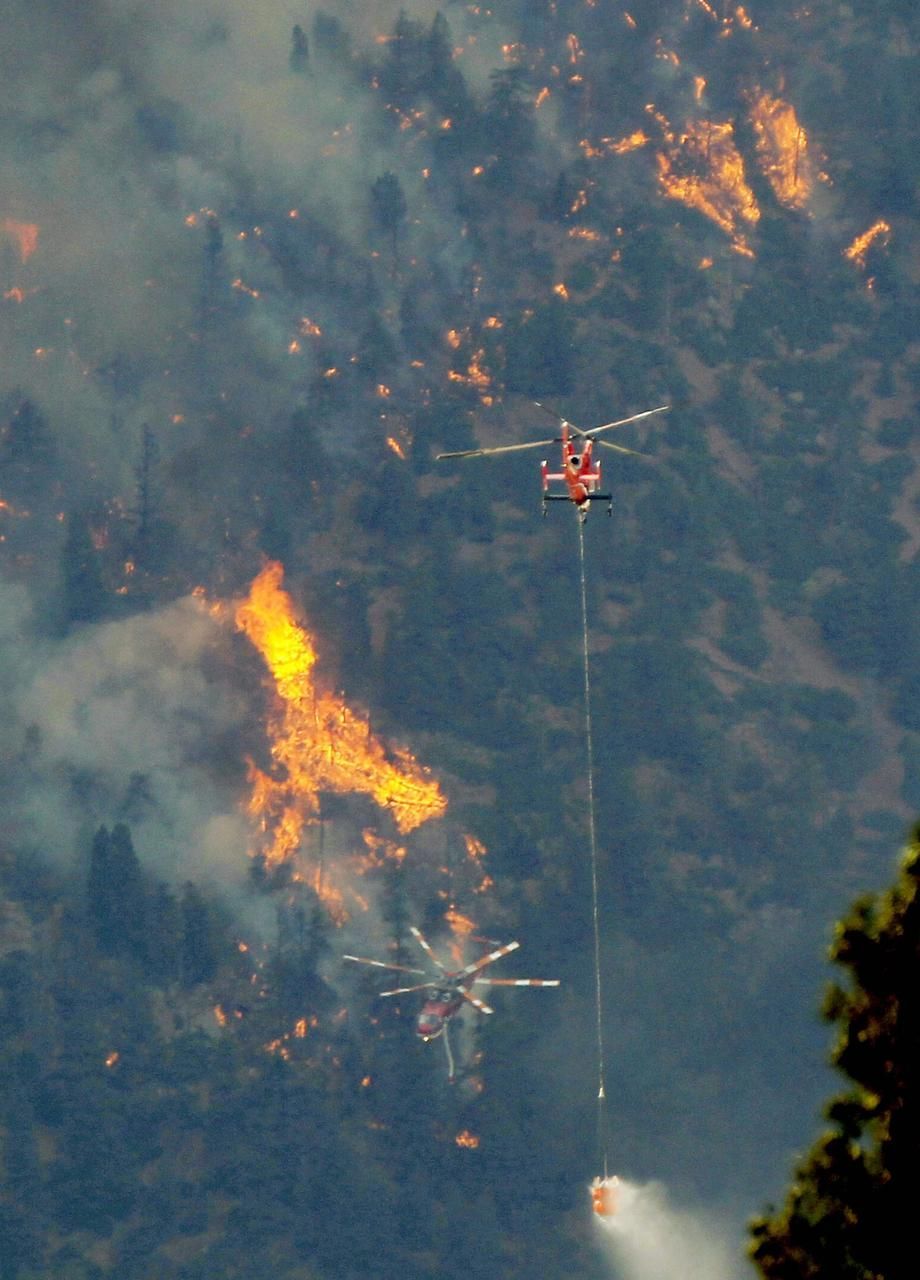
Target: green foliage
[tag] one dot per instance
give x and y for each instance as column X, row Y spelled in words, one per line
column 850, row 1211
column 540, row 352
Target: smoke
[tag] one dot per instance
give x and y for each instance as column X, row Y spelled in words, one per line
column 137, row 720
column 648, row 1238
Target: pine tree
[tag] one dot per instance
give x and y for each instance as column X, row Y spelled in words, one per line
column 84, row 592
column 115, row 893
column 388, row 206
column 330, row 38
column 300, row 50
column 198, row 958
column 851, row 1209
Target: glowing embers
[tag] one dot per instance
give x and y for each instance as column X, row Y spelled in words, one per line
column 703, row 169
column 318, row 743
column 470, row 1141
column 476, row 374
column 782, row 149
column 604, row 1196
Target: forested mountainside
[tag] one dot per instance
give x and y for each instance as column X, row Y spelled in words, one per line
column 258, row 269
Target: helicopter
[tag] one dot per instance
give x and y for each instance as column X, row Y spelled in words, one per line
column 448, row 989
column 580, row 473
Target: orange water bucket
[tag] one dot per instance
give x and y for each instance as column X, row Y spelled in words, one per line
column 604, row 1197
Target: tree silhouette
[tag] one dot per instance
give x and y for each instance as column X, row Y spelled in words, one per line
column 852, row 1206
column 388, row 206
column 84, row 591
column 299, row 59
column 198, row 955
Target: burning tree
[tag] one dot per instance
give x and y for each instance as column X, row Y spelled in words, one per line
column 318, row 744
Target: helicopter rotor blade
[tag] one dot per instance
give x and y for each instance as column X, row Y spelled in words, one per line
column 477, row 1003
column 621, row 448
column 489, row 959
column 622, row 422
column 404, row 991
column 516, row 982
column 503, row 448
column 564, row 422
column 426, row 947
column 380, row 964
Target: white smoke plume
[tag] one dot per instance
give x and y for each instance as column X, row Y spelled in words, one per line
column 649, row 1238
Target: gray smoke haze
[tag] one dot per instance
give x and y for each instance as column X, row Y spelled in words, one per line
column 122, row 124
column 132, row 133
column 133, row 720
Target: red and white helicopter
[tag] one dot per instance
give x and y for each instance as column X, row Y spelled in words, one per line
column 581, row 473
column 448, row 989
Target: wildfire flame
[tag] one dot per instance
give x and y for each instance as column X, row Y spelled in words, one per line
column 704, row 170
column 394, row 445
column 461, row 925
column 476, row 375
column 466, row 1139
column 614, row 146
column 782, row 148
column 856, row 252
column 24, row 235
column 318, row 743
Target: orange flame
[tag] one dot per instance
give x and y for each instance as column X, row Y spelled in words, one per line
column 396, row 447
column 580, row 201
column 25, row 235
column 112, row 1058
column 703, row 169
column 462, row 925
column 318, row 743
column 466, row 1139
column 782, row 148
column 476, row 854
column 476, row 375
column 614, row 146
column 856, row 252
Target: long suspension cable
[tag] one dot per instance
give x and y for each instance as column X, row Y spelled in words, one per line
column 592, row 831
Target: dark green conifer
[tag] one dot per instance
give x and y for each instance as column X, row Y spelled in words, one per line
column 851, row 1210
